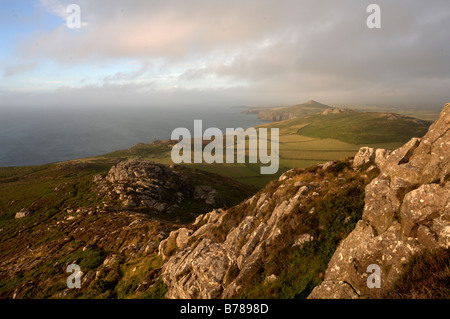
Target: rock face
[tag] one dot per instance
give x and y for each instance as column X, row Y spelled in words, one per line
column 142, row 184
column 218, row 255
column 407, row 210
column 203, row 269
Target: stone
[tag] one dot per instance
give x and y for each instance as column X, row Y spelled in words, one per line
column 23, row 213
column 176, row 240
column 183, row 237
column 364, row 155
column 380, row 156
column 422, row 205
column 271, row 278
column 197, row 277
column 207, row 194
column 327, row 165
column 302, row 240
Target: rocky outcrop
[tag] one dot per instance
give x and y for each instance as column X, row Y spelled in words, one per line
column 302, row 240
column 142, row 184
column 218, row 254
column 112, row 225
column 407, row 210
column 370, row 155
column 202, row 269
column 207, row 194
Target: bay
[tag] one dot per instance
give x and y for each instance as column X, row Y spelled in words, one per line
column 35, row 136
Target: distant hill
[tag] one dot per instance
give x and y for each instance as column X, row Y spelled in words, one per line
column 287, row 113
column 358, row 127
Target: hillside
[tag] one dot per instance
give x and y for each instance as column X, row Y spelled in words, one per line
column 107, row 217
column 358, row 127
column 286, row 113
column 314, row 232
column 274, row 245
column 141, row 229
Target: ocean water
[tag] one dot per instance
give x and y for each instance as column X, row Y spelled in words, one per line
column 47, row 135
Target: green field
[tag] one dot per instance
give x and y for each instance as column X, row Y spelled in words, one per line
column 303, row 141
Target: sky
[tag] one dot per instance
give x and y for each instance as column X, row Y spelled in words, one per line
column 216, row 53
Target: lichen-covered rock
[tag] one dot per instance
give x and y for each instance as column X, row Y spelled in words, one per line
column 422, row 206
column 334, row 290
column 407, row 210
column 370, row 155
column 364, row 155
column 302, row 240
column 199, row 270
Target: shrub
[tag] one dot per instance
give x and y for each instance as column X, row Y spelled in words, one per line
column 425, row 276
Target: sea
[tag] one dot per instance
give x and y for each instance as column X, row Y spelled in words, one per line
column 41, row 135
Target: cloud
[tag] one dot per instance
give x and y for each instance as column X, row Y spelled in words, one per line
column 260, row 50
column 20, row 68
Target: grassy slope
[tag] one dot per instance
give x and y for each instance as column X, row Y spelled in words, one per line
column 362, row 128
column 299, row 110
column 50, row 190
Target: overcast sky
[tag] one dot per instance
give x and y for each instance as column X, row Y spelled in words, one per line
column 227, row 52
